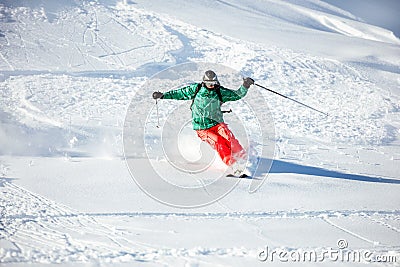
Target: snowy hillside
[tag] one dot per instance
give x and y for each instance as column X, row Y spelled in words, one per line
column 76, row 79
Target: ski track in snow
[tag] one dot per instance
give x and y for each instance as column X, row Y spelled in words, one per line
column 57, row 99
column 37, row 230
column 326, row 84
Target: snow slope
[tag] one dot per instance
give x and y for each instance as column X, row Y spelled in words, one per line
column 383, row 15
column 69, row 70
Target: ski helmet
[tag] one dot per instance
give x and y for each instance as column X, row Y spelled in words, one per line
column 210, row 78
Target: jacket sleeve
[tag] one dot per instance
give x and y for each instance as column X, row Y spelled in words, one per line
column 232, row 95
column 184, row 93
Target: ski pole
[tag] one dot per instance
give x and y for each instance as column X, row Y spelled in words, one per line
column 298, row 102
column 158, row 117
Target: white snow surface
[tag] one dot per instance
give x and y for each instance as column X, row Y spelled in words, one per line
column 69, row 70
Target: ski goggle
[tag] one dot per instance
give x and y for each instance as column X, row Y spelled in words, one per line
column 210, row 83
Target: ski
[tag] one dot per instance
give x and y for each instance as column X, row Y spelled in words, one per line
column 243, row 175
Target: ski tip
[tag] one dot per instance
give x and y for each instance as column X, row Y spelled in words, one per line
column 243, row 175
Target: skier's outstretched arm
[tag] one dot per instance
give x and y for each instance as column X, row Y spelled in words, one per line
column 233, row 95
column 184, row 93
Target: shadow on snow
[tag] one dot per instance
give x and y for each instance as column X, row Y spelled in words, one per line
column 279, row 166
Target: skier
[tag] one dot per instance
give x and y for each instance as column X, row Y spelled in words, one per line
column 207, row 117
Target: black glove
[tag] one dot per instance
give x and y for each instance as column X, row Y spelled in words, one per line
column 247, row 82
column 157, row 95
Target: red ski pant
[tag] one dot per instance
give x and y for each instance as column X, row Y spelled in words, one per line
column 223, row 141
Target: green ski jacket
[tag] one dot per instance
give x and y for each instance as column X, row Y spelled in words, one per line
column 206, row 108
